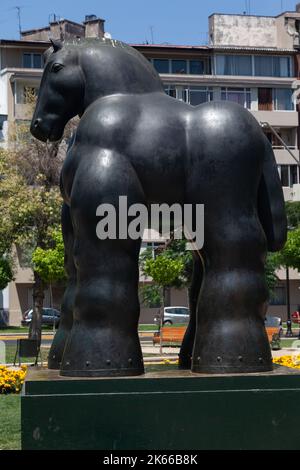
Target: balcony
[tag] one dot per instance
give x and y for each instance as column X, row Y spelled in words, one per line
column 277, row 118
column 283, row 157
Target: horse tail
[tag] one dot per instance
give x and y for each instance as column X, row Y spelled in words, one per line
column 271, row 206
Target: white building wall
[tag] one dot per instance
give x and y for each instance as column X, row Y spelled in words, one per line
column 243, row 30
column 3, row 94
column 4, row 298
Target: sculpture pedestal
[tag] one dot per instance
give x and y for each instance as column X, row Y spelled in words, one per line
column 172, row 410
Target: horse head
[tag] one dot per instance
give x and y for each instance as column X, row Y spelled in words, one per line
column 79, row 72
column 60, row 95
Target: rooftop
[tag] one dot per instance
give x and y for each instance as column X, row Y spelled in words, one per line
column 170, row 46
column 20, row 42
column 285, row 13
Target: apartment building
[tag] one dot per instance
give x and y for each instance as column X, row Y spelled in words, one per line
column 251, row 60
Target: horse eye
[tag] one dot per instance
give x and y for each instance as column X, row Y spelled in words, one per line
column 56, row 67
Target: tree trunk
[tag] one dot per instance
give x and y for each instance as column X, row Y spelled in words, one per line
column 162, row 319
column 35, row 330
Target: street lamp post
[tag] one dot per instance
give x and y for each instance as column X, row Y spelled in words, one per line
column 289, row 332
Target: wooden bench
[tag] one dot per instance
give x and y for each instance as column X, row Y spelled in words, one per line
column 272, row 331
column 175, row 334
column 170, row 335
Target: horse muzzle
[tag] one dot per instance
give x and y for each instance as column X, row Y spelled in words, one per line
column 42, row 132
column 37, row 130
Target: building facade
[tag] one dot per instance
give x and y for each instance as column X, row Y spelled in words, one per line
column 251, row 60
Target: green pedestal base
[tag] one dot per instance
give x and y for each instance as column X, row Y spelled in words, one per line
column 174, row 410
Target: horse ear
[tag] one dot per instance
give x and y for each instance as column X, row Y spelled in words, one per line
column 56, row 44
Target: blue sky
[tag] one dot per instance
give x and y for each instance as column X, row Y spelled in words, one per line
column 172, row 21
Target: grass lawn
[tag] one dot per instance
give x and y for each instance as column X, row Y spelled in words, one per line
column 13, row 329
column 287, row 342
column 11, row 351
column 22, row 329
column 148, row 327
column 49, row 329
column 10, row 422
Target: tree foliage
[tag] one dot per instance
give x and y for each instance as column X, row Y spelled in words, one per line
column 49, row 262
column 169, row 266
column 30, row 203
column 290, row 254
column 293, row 214
column 150, row 295
column 271, row 265
column 6, row 271
column 163, row 269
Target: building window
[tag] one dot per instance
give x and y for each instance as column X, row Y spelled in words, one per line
column 265, row 99
column 283, row 99
column 279, row 99
column 196, row 67
column 294, row 175
column 32, row 61
column 3, row 118
column 179, row 66
column 182, row 66
column 241, row 96
column 151, row 247
column 196, row 95
column 278, row 296
column 289, row 175
column 262, row 66
column 272, row 66
column 234, row 65
column 161, row 65
column 171, row 90
column 286, row 135
column 284, row 170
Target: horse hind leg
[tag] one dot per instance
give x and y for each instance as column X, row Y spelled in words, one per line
column 66, row 319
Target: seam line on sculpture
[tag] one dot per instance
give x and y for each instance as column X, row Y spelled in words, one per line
column 168, row 392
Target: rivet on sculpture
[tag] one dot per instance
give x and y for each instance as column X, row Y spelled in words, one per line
column 133, row 140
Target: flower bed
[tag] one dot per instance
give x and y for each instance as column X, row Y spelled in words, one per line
column 288, row 361
column 11, row 379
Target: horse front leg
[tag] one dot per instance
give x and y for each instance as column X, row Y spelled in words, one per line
column 104, row 338
column 66, row 318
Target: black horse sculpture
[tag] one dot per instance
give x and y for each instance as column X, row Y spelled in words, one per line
column 136, row 141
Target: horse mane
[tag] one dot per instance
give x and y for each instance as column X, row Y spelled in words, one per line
column 98, row 43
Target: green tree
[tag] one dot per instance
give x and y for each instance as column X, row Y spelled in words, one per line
column 6, row 271
column 271, row 265
column 174, row 250
column 30, row 204
column 30, row 198
column 49, row 262
column 293, row 213
column 290, row 254
column 164, row 271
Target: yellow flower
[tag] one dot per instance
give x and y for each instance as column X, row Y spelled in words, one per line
column 288, row 361
column 11, row 380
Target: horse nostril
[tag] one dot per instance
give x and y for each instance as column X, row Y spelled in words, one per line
column 37, row 123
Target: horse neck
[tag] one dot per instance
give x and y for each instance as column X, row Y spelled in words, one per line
column 133, row 75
